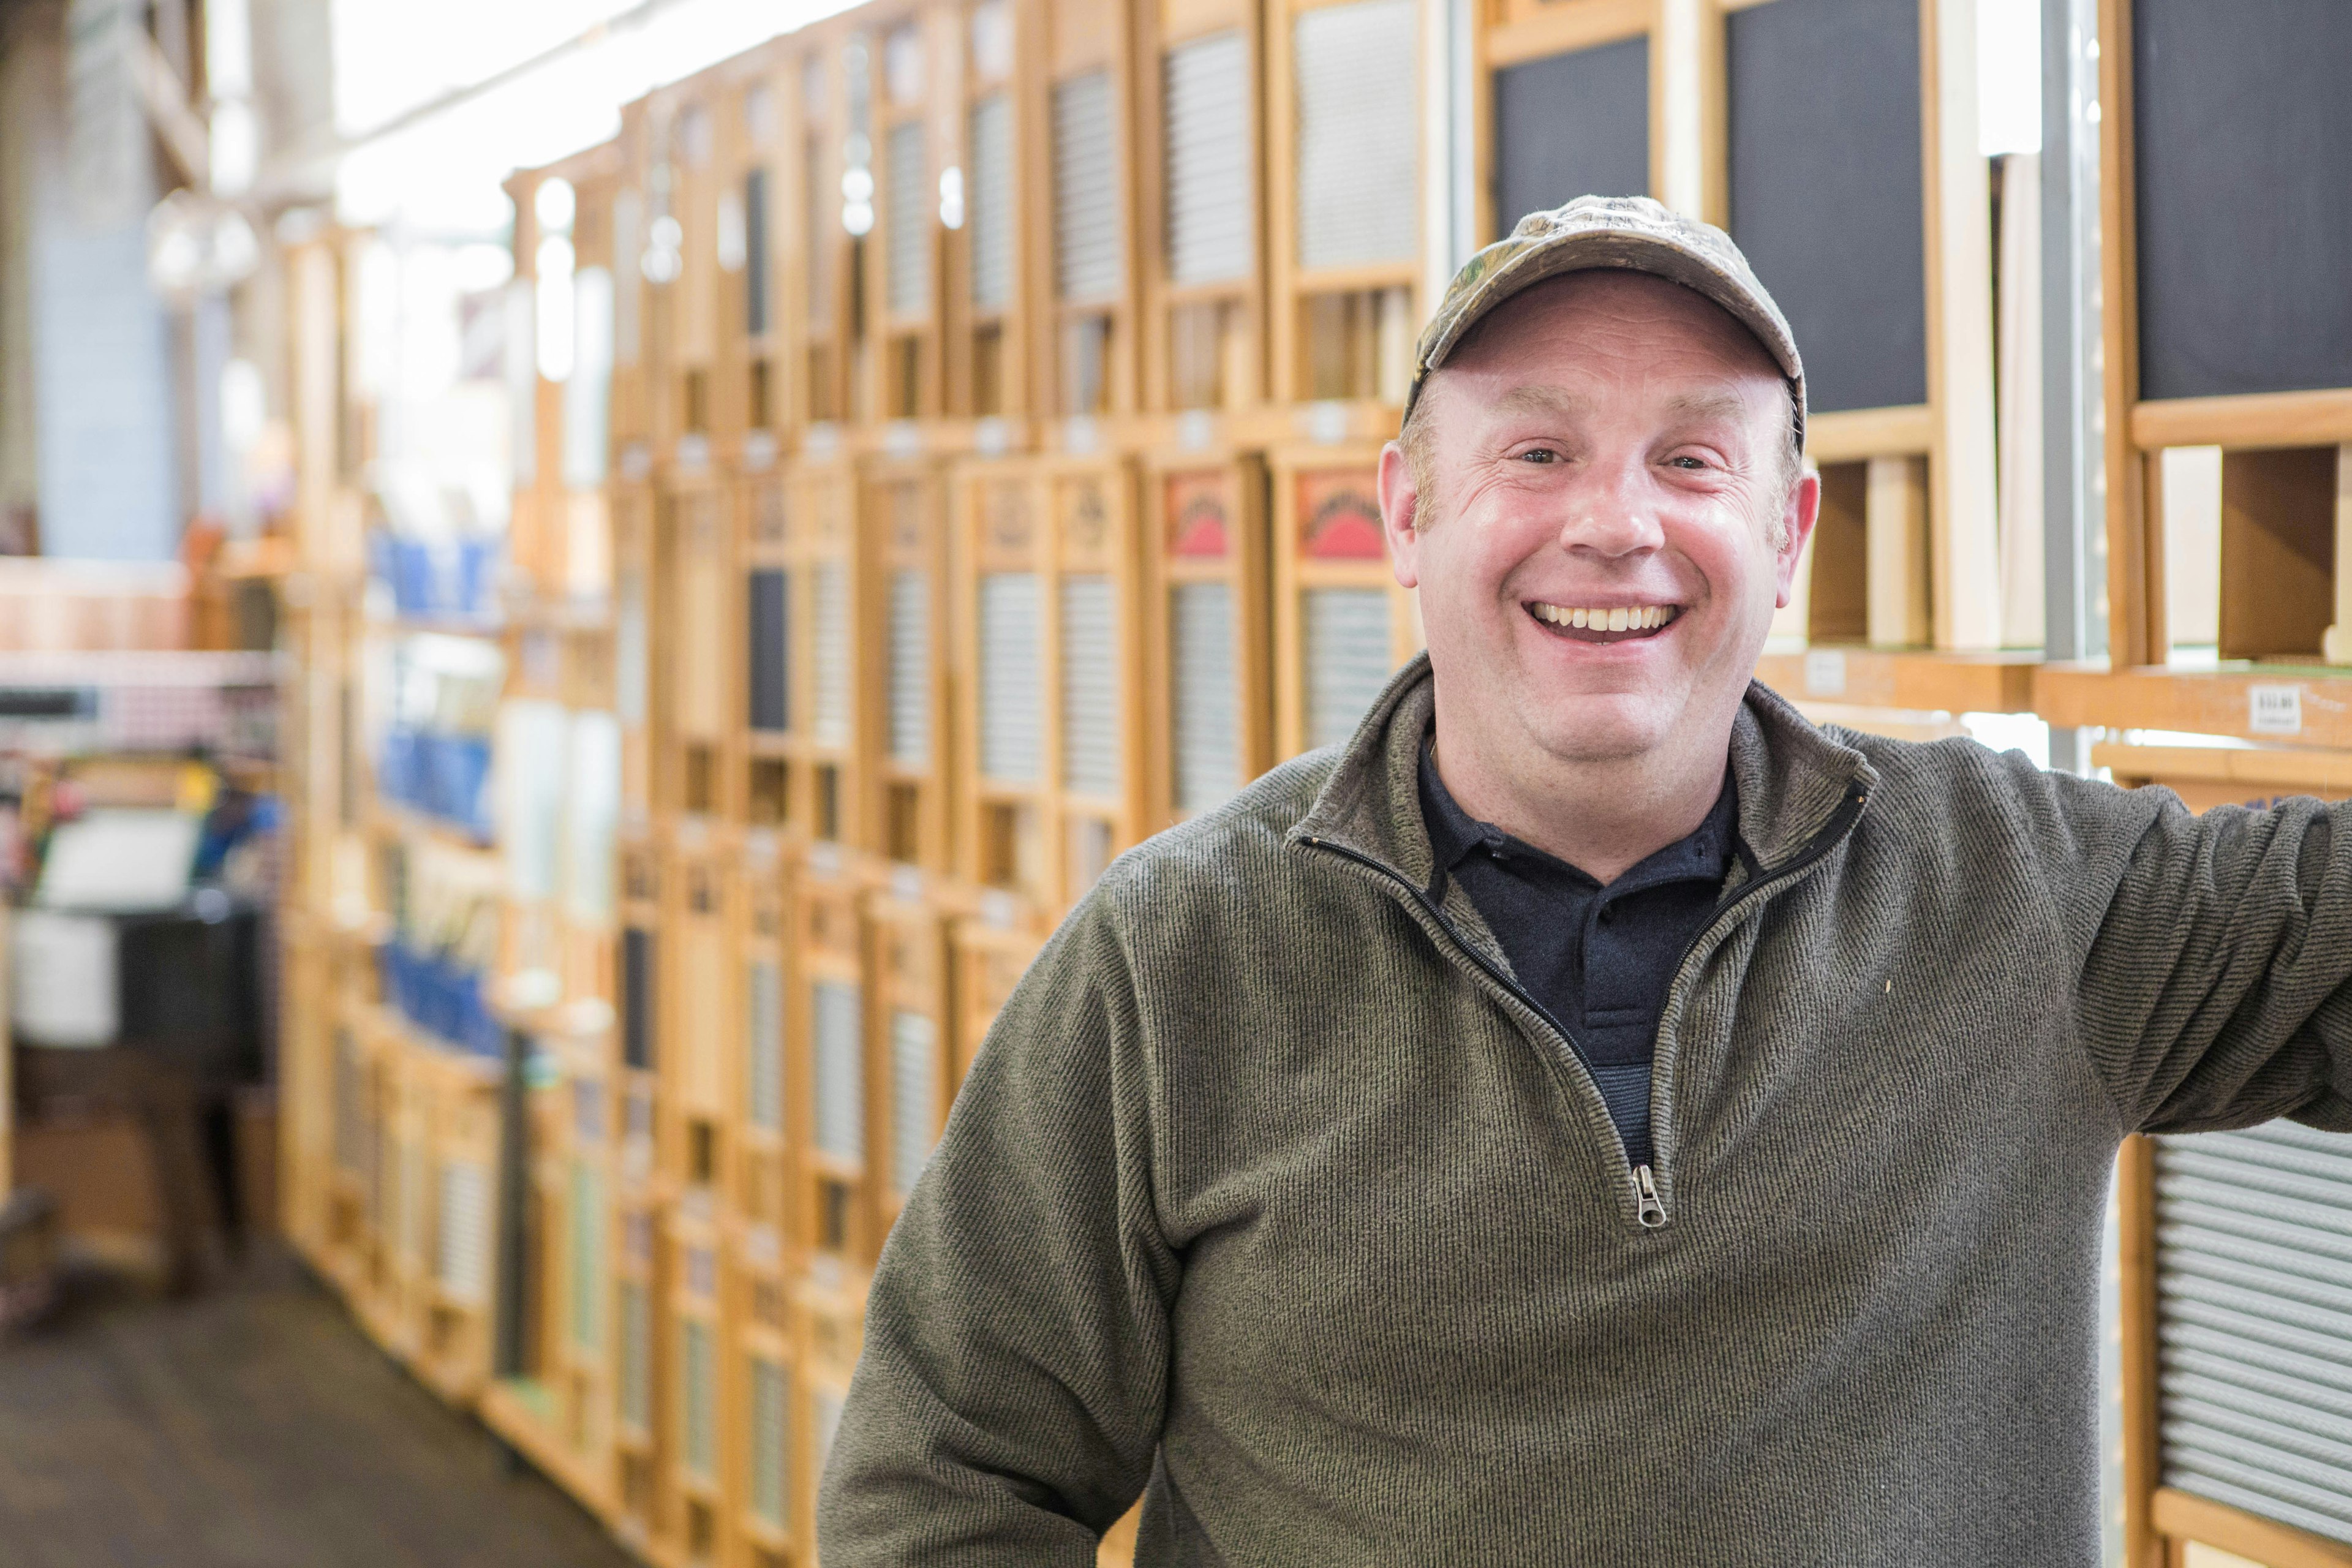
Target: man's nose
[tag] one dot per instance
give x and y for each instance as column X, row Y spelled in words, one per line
column 1613, row 513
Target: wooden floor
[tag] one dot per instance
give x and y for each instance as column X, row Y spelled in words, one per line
column 254, row 1427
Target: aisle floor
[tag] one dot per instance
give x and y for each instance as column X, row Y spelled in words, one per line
column 255, row 1427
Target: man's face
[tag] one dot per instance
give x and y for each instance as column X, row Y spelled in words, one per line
column 1611, row 524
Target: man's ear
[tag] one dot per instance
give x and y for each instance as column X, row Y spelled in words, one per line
column 1803, row 510
column 1400, row 511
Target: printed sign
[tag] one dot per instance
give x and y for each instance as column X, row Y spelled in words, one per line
column 2274, row 710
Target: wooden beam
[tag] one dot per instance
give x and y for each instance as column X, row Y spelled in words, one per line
column 2254, row 420
column 1918, row 681
column 1530, row 33
column 2136, row 1284
column 2307, row 707
column 2131, row 638
column 2183, row 1516
column 1856, row 434
column 1966, row 581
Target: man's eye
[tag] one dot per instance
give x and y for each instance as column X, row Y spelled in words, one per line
column 1539, row 455
column 1684, row 460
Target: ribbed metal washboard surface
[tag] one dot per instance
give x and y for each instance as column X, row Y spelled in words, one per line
column 1347, row 659
column 1204, row 709
column 701, row 1413
column 910, row 669
column 914, row 1092
column 763, row 1005
column 829, row 659
column 1089, row 688
column 840, row 1070
column 1009, row 729
column 1358, row 186
column 1086, row 254
column 772, row 1442
column 908, row 289
column 991, row 202
column 464, row 1264
column 2254, row 1303
column 586, row 1273
column 1207, row 86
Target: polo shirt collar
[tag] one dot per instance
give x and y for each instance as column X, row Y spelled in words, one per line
column 1704, row 854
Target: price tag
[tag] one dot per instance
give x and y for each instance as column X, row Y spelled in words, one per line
column 1824, row 672
column 2274, row 710
column 1196, row 431
column 693, row 454
column 760, row 451
column 907, row 884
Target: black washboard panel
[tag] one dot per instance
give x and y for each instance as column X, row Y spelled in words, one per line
column 1828, row 192
column 637, row 999
column 2243, row 132
column 1571, row 125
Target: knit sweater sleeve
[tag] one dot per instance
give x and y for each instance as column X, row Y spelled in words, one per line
column 2215, row 952
column 1009, row 1396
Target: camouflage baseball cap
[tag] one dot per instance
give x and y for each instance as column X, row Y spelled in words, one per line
column 1632, row 232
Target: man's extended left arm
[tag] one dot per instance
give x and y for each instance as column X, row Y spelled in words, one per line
column 2215, row 952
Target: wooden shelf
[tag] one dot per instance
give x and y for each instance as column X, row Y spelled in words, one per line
column 2185, row 1516
column 2300, row 705
column 1919, row 681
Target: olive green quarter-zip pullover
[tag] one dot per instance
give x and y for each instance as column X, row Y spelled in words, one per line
column 1271, row 1198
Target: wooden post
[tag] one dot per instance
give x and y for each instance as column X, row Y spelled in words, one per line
column 2337, row 646
column 1896, row 517
column 1962, row 511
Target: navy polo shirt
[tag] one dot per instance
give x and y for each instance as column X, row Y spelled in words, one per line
column 1598, row 959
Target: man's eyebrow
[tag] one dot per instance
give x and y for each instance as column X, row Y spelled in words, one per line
column 1541, row 400
column 1703, row 405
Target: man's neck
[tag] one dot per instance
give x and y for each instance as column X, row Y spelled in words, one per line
column 1603, row 817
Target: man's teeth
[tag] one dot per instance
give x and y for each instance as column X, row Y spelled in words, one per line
column 1622, row 618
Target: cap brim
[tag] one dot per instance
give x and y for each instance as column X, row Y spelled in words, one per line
column 1631, row 252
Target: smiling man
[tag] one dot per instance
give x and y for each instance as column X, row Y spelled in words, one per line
column 1595, row 1117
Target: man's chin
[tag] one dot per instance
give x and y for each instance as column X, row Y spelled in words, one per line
column 1614, row 728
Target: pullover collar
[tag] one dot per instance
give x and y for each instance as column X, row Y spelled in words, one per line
column 1790, row 778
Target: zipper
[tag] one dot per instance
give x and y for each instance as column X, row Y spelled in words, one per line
column 1648, row 1208
column 1653, row 1213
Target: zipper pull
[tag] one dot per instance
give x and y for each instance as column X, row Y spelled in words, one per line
column 1645, row 1196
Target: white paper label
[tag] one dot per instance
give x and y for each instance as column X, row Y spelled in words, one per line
column 902, row 438
column 991, row 437
column 693, row 453
column 1327, row 423
column 637, row 462
column 1080, row 436
column 907, row 884
column 1196, row 431
column 998, row 909
column 1824, row 672
column 825, row 859
column 760, row 451
column 821, row 440
column 2274, row 710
